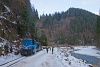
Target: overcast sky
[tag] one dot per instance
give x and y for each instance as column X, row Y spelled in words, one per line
column 52, row 6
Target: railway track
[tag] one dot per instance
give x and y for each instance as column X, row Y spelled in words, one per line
column 10, row 63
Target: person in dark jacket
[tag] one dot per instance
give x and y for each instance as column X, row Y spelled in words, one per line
column 47, row 50
column 52, row 50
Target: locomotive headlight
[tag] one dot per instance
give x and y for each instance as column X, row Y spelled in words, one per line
column 26, row 47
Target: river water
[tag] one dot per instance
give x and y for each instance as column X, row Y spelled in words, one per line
column 87, row 58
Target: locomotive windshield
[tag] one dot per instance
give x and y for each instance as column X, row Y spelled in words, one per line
column 27, row 42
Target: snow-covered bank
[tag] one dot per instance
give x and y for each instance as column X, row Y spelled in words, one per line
column 87, row 50
column 70, row 61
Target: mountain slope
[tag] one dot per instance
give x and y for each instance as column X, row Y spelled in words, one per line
column 74, row 26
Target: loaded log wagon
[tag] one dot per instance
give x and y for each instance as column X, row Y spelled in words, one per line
column 29, row 47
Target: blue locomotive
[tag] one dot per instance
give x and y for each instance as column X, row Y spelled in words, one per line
column 29, row 47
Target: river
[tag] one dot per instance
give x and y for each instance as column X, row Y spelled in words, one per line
column 87, row 58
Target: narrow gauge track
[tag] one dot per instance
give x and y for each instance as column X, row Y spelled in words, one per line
column 8, row 64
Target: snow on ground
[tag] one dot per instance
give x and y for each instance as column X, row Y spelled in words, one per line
column 60, row 58
column 57, row 59
column 14, row 22
column 70, row 61
column 7, row 8
column 87, row 50
column 3, row 17
column 41, row 59
column 9, row 57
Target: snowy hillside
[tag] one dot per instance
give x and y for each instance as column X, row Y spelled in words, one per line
column 8, row 29
column 13, row 17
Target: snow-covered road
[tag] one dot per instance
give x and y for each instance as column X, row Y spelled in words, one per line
column 41, row 59
column 60, row 58
column 57, row 59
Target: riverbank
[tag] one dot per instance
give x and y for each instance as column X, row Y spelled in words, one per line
column 87, row 53
column 87, row 50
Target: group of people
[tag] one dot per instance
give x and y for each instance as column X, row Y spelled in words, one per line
column 51, row 49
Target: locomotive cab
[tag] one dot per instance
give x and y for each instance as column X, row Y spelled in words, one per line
column 29, row 47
